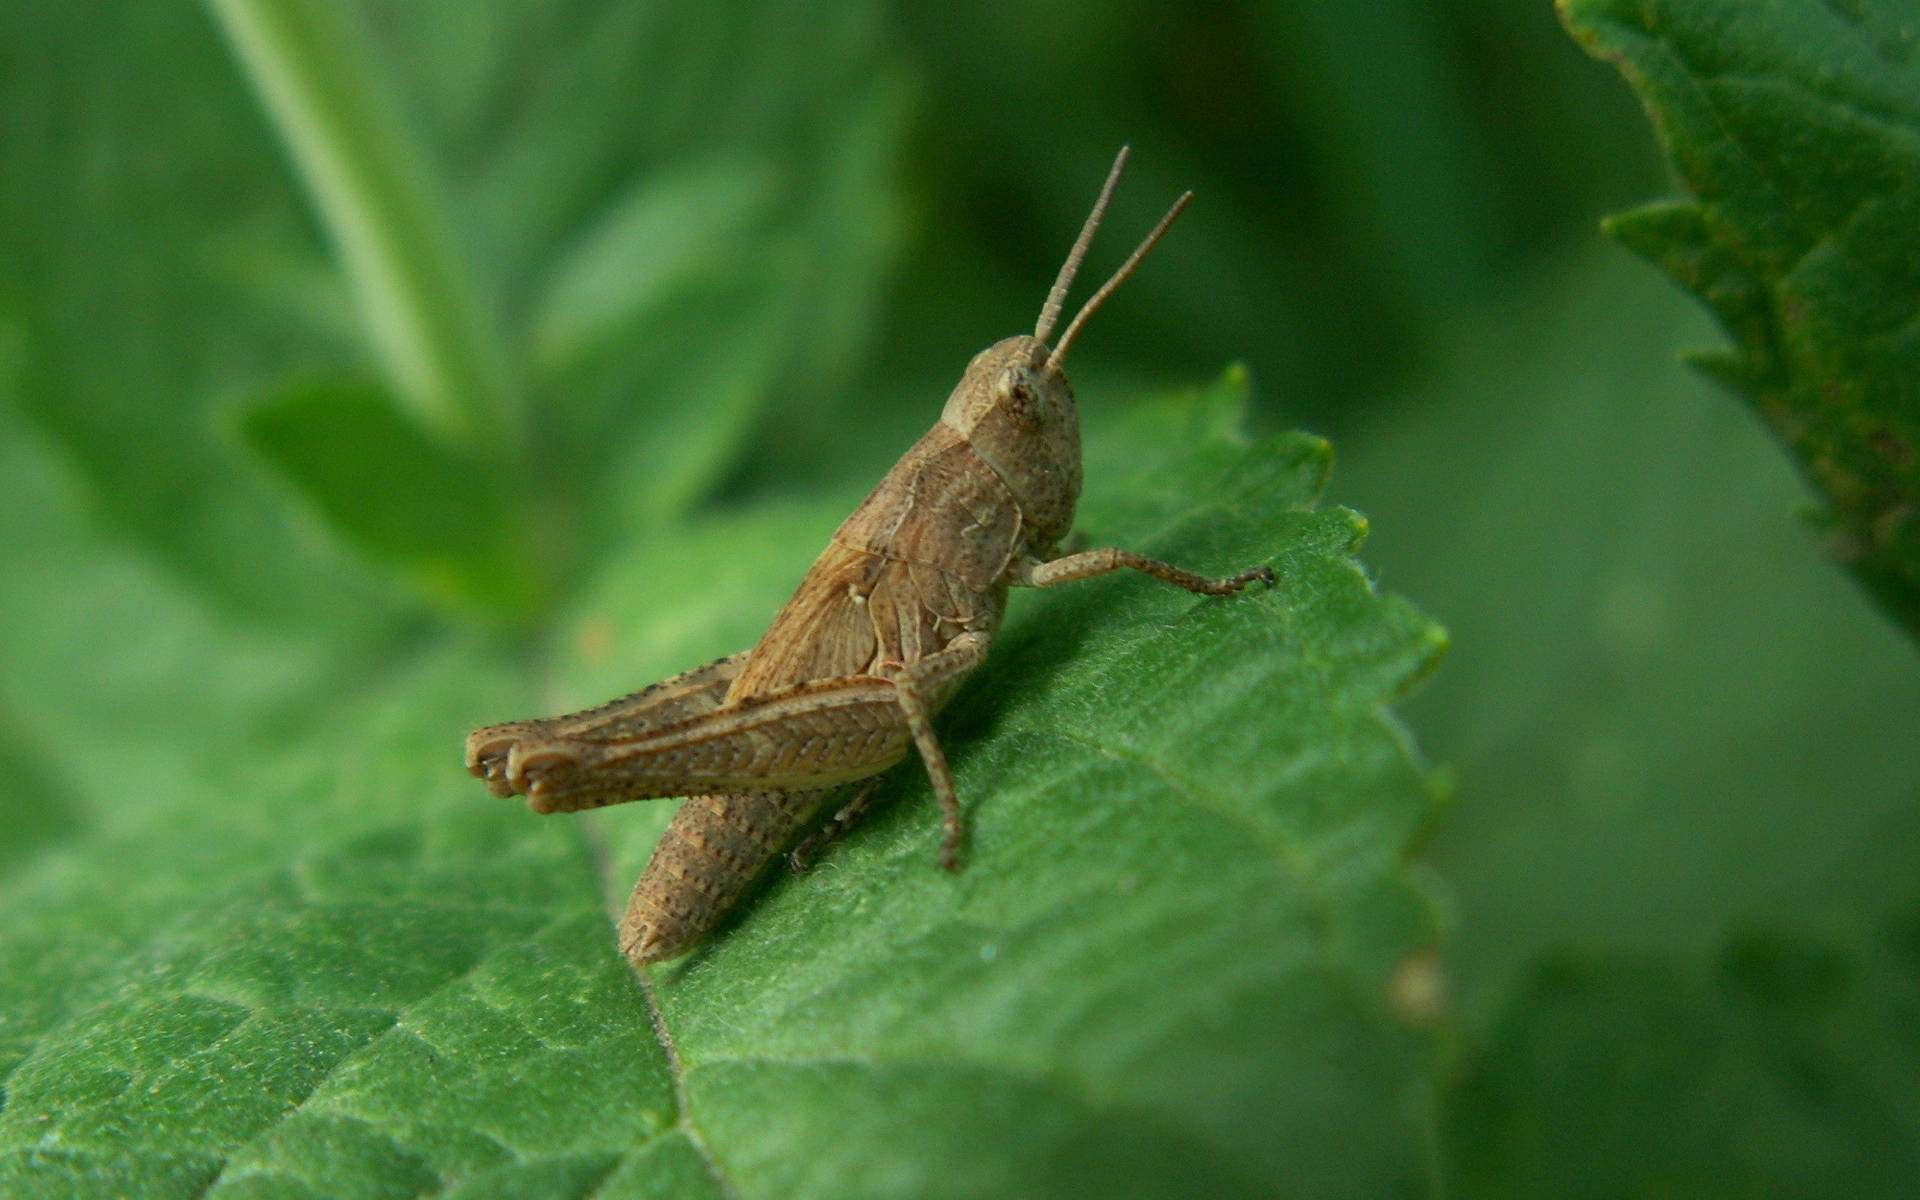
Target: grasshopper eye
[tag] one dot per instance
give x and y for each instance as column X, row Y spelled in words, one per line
column 1022, row 399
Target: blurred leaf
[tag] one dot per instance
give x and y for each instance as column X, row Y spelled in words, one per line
column 1675, row 730
column 658, row 388
column 1403, row 162
column 754, row 145
column 137, row 172
column 656, row 240
column 328, row 964
column 157, row 262
column 410, row 500
column 34, row 809
column 1658, row 702
column 1796, row 126
column 387, row 218
column 1358, row 169
column 1785, row 1074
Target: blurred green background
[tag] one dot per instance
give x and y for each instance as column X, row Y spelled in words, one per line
column 728, row 254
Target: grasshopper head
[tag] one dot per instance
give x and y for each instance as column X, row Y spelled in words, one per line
column 1016, row 409
column 1014, row 404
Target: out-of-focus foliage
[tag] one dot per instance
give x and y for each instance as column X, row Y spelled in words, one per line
column 703, row 272
column 1684, row 843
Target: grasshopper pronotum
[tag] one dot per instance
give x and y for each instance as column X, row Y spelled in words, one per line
column 889, row 620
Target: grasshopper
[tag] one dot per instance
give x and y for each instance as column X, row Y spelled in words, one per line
column 895, row 613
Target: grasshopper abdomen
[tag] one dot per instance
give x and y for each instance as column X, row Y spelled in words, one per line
column 704, row 862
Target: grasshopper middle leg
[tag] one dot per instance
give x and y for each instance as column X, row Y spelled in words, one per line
column 801, row 857
column 920, row 687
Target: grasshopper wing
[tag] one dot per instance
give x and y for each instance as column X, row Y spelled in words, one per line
column 668, row 703
column 806, row 738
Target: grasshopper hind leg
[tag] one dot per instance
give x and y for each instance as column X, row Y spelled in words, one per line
column 490, row 750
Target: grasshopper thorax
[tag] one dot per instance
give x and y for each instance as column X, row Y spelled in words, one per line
column 1015, row 408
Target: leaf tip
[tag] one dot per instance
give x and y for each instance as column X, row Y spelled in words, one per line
column 1358, row 527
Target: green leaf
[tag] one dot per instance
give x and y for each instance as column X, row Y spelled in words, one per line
column 1784, row 1031
column 136, row 176
column 386, row 217
column 1796, row 127
column 707, row 285
column 288, row 948
column 409, row 500
column 160, row 261
column 1677, row 735
column 665, row 235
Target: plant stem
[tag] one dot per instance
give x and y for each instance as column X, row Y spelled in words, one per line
column 381, row 205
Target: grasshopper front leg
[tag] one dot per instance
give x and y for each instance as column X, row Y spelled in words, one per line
column 1035, row 573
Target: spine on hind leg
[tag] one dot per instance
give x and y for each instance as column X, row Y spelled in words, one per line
column 704, row 862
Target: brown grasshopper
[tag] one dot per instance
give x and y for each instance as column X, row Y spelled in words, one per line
column 893, row 615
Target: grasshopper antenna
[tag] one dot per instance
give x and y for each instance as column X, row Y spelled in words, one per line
column 1093, row 303
column 1050, row 311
